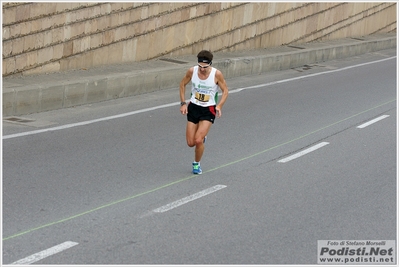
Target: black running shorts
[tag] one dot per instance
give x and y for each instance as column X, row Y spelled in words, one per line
column 197, row 113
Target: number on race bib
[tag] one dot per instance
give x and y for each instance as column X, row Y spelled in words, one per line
column 201, row 97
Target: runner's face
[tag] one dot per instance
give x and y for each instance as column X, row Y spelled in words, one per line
column 203, row 67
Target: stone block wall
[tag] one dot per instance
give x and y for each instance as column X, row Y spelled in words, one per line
column 47, row 37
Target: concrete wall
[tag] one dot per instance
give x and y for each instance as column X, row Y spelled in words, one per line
column 52, row 37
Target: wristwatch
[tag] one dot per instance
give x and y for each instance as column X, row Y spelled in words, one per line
column 182, row 103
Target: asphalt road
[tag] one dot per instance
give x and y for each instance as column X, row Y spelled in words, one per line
column 286, row 165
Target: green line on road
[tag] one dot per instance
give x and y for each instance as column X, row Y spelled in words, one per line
column 190, row 177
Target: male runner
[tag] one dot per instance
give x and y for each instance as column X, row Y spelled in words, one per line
column 203, row 106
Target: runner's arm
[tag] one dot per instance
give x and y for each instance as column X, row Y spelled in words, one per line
column 186, row 79
column 223, row 86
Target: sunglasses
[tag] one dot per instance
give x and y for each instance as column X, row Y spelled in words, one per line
column 203, row 67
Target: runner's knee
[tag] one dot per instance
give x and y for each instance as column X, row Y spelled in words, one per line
column 199, row 141
column 190, row 143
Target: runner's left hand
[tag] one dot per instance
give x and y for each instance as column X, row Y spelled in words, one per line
column 218, row 112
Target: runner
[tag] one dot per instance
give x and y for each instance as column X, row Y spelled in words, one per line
column 203, row 106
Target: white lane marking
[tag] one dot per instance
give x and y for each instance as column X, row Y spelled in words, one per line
column 303, row 152
column 66, row 126
column 309, row 75
column 45, row 253
column 372, row 121
column 189, row 198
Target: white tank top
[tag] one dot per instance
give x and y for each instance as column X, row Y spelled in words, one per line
column 204, row 92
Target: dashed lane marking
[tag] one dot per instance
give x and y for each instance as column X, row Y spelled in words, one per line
column 303, row 152
column 372, row 121
column 185, row 200
column 45, row 253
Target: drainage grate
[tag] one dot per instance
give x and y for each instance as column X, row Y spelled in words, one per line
column 18, row 119
column 173, row 60
column 304, row 67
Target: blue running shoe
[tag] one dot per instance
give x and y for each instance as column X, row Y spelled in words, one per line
column 196, row 168
column 205, row 139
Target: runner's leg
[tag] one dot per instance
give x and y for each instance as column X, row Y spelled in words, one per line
column 201, row 132
column 191, row 129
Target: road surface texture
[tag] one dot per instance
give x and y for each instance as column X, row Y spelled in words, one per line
column 298, row 156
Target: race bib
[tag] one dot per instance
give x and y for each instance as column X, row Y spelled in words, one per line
column 202, row 97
